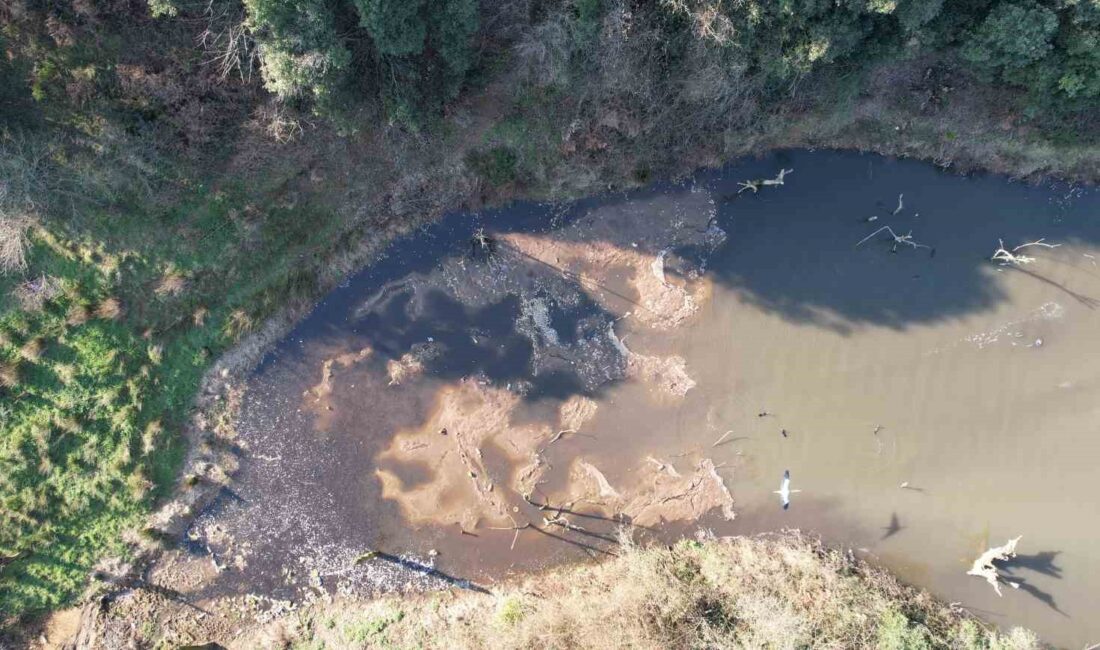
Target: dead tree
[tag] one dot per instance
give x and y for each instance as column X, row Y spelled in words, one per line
column 482, row 243
column 983, row 566
column 778, row 180
column 13, row 242
column 756, row 184
column 228, row 41
column 1010, row 258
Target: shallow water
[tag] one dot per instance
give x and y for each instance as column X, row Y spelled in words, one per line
column 974, row 385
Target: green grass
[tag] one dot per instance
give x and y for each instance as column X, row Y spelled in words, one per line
column 96, row 384
column 372, row 629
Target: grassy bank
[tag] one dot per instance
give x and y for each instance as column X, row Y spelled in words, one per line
column 103, row 343
column 775, row 592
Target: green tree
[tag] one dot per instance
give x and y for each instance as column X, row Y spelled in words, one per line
column 426, row 50
column 454, row 24
column 915, row 14
column 397, row 27
column 1079, row 69
column 301, row 52
column 1012, row 36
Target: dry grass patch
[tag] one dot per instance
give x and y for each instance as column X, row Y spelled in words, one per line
column 33, row 294
column 32, row 349
column 9, row 374
column 172, row 283
column 777, row 592
column 77, row 314
column 13, row 244
column 110, row 309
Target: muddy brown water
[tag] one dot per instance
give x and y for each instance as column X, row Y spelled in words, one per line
column 471, row 408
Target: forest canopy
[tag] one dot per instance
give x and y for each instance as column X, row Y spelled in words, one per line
column 408, row 58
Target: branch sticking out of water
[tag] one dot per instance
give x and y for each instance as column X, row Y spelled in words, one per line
column 514, row 528
column 559, row 435
column 906, row 239
column 983, row 566
column 724, row 436
column 1009, row 257
column 756, row 184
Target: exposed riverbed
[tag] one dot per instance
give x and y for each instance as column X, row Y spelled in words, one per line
column 522, row 387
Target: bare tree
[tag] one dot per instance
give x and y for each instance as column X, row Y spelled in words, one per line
column 1009, row 257
column 983, row 566
column 227, row 40
column 756, row 184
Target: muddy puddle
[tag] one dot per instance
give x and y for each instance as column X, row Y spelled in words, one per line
column 529, row 386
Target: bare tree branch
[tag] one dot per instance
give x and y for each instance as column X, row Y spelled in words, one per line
column 1009, row 257
column 983, row 566
column 906, row 239
column 756, row 184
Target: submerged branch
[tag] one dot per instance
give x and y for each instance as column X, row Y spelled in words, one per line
column 906, row 239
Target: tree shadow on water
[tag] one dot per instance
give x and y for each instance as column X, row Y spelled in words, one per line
column 793, row 249
column 430, row 571
column 1041, row 563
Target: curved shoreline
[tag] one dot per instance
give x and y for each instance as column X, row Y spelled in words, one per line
column 211, row 461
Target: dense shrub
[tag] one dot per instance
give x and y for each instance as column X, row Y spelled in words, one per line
column 497, row 165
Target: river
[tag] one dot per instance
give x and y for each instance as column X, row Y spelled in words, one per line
column 528, row 386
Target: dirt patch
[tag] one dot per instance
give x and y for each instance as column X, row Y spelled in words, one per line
column 658, row 493
column 61, row 629
column 613, row 248
column 659, row 302
column 668, row 374
column 575, row 412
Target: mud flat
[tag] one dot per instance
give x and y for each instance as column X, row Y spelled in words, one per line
column 512, row 390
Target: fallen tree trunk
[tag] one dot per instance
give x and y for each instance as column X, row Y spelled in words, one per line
column 984, row 567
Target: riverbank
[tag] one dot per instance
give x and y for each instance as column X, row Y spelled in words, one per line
column 215, row 439
column 235, row 264
column 783, row 591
